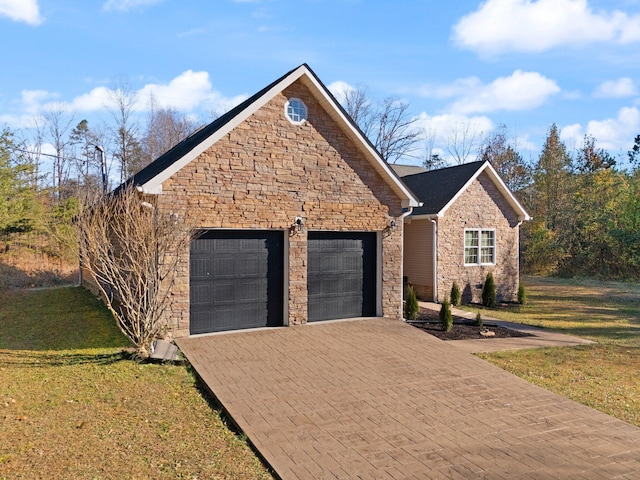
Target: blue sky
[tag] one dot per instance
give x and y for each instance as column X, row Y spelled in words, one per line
column 464, row 64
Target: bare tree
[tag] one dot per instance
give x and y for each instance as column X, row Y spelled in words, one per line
column 396, row 135
column 360, row 109
column 33, row 149
column 57, row 126
column 166, row 128
column 387, row 125
column 131, row 249
column 431, row 159
column 462, row 140
column 125, row 132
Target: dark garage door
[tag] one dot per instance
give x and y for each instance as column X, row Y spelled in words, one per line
column 236, row 280
column 341, row 275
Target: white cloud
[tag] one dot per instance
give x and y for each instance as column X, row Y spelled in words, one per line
column 613, row 134
column 622, row 87
column 340, row 89
column 21, row 11
column 32, row 100
column 500, row 26
column 190, row 92
column 518, row 91
column 96, row 99
column 126, row 5
column 442, row 130
column 442, row 124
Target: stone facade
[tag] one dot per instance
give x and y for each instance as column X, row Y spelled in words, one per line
column 266, row 172
column 482, row 206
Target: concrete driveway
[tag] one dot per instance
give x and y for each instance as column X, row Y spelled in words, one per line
column 379, row 399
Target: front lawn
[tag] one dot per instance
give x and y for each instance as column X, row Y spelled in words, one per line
column 72, row 407
column 605, row 375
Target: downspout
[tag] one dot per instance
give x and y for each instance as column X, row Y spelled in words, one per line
column 435, row 260
column 518, row 251
column 402, row 217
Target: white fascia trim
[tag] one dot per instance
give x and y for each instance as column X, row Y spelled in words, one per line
column 424, row 217
column 517, row 206
column 522, row 213
column 407, row 197
column 156, row 182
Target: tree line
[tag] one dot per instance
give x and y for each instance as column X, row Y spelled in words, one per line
column 48, row 169
column 586, row 212
column 585, row 207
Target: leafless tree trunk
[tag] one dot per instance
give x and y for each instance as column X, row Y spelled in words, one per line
column 396, row 135
column 387, row 125
column 431, row 160
column 34, row 148
column 360, row 109
column 125, row 132
column 132, row 250
column 165, row 128
column 57, row 127
column 462, row 140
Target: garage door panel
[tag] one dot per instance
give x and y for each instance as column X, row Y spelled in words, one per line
column 236, row 280
column 200, row 267
column 201, row 294
column 341, row 280
column 251, row 266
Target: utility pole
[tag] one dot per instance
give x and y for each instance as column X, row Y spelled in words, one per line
column 103, row 167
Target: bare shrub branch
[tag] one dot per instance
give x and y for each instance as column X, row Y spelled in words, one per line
column 132, row 251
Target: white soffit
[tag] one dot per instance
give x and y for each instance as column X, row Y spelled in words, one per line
column 511, row 199
column 408, row 199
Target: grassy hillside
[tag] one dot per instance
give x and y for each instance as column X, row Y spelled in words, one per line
column 71, row 406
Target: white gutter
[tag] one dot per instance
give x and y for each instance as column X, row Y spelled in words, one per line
column 402, row 217
column 435, row 259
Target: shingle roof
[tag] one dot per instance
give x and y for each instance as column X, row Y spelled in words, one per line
column 181, row 149
column 164, row 166
column 437, row 188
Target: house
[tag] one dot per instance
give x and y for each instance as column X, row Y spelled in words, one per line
column 298, row 217
column 404, row 170
column 467, row 227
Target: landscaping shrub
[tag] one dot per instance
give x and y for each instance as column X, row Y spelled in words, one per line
column 455, row 294
column 478, row 320
column 522, row 294
column 489, row 292
column 411, row 306
column 446, row 319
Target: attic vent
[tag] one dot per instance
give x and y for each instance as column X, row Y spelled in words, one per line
column 296, row 110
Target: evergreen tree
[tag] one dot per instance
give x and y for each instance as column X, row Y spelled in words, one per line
column 501, row 153
column 17, row 199
column 489, row 292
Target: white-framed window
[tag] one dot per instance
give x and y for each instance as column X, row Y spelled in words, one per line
column 479, row 246
column 296, row 110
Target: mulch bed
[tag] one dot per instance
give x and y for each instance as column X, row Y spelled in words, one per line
column 463, row 328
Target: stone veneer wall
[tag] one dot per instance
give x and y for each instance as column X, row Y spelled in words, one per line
column 264, row 174
column 480, row 206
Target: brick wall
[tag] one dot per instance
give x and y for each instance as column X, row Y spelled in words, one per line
column 265, row 173
column 480, row 206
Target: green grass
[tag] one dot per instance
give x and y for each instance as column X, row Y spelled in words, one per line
column 605, row 375
column 71, row 406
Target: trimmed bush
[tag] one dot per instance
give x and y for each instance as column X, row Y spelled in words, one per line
column 479, row 320
column 446, row 319
column 411, row 306
column 489, row 292
column 455, row 294
column 522, row 294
